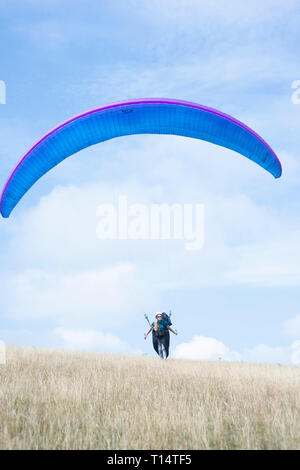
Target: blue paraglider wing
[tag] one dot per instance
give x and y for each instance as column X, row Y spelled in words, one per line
column 144, row 116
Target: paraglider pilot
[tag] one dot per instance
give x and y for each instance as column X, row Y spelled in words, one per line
column 160, row 334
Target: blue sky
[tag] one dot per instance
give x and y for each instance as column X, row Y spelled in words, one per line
column 238, row 297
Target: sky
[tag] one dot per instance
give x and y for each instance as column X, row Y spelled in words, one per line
column 236, row 298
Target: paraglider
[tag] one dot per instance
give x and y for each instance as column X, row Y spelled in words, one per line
column 141, row 116
column 161, row 328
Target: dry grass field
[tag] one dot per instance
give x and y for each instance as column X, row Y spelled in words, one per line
column 67, row 400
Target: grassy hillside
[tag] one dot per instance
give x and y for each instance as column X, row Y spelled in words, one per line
column 66, row 400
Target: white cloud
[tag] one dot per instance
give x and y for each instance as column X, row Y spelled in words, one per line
column 93, row 340
column 295, row 357
column 246, row 242
column 291, row 327
column 239, row 71
column 279, row 355
column 205, row 348
column 265, row 353
column 221, row 11
column 80, row 339
column 237, row 58
column 105, row 296
column 268, row 264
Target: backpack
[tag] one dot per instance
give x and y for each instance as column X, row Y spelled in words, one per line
column 163, row 331
column 167, row 317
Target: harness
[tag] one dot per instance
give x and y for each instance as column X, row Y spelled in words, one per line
column 162, row 330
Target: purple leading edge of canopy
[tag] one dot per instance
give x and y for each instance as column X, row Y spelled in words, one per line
column 168, row 101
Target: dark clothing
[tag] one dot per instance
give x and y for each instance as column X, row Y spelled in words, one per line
column 161, row 337
column 161, row 344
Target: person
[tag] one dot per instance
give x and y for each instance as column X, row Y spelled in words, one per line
column 160, row 334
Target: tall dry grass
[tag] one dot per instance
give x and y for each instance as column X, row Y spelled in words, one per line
column 66, row 400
